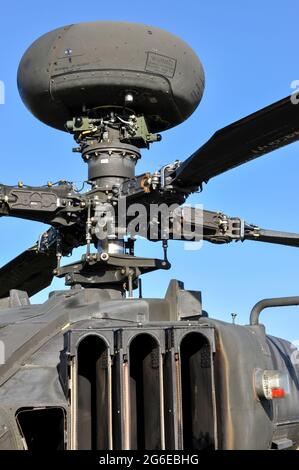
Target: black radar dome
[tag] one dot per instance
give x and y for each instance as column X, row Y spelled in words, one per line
column 87, row 66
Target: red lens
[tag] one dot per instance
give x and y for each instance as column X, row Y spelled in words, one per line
column 278, row 393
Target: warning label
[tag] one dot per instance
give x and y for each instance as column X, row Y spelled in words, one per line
column 160, row 64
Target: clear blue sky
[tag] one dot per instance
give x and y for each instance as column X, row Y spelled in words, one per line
column 250, row 54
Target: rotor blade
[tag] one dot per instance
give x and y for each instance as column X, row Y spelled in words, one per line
column 259, row 133
column 273, row 236
column 190, row 223
column 31, row 271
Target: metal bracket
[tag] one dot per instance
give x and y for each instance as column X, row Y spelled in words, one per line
column 102, row 268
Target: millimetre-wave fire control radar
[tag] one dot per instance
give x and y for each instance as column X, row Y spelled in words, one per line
column 97, row 366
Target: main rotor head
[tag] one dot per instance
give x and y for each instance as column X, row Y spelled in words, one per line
column 114, row 86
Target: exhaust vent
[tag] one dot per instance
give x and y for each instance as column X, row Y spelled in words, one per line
column 94, row 394
column 145, row 389
column 196, row 379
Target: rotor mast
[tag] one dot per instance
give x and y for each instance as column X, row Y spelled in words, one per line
column 110, row 139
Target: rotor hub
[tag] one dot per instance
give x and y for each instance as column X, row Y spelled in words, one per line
column 109, row 142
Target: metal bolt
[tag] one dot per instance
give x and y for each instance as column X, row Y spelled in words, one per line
column 104, row 256
column 129, row 98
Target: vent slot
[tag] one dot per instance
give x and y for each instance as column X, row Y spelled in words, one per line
column 130, row 392
column 197, row 392
column 117, row 393
column 146, row 390
column 173, row 401
column 94, row 428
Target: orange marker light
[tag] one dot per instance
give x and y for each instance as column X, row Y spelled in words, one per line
column 278, row 393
